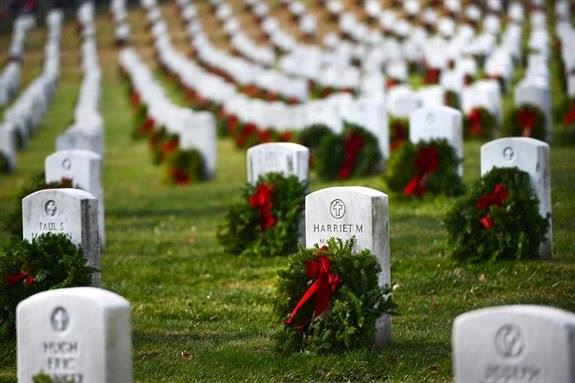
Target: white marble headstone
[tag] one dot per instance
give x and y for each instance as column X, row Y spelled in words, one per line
column 282, row 157
column 79, row 334
column 65, row 211
column 531, row 156
column 438, row 122
column 349, row 211
column 84, row 169
column 537, row 94
column 88, row 139
column 199, row 132
column 514, row 344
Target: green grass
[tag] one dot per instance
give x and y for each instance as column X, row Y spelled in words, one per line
column 199, row 314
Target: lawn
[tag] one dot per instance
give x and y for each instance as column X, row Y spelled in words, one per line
column 199, row 314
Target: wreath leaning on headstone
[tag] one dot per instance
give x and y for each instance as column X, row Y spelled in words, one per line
column 479, row 123
column 328, row 299
column 425, row 167
column 498, row 219
column 526, row 121
column 353, row 153
column 267, row 221
column 49, row 261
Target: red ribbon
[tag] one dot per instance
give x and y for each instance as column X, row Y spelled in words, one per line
column 264, row 135
column 323, row 288
column 285, row 136
column 179, row 176
column 569, row 117
column 526, row 119
column 426, row 162
column 14, row 278
column 399, row 133
column 352, row 145
column 148, row 125
column 262, row 200
column 475, row 123
column 391, row 82
column 496, row 197
column 247, row 130
column 135, row 99
column 431, row 76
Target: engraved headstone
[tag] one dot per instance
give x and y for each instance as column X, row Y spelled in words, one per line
column 349, row 211
column 79, row 335
column 514, row 344
column 531, row 156
column 68, row 211
column 438, row 122
column 84, row 169
column 282, row 157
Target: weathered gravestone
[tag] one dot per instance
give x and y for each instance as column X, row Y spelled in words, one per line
column 531, row 156
column 438, row 122
column 282, row 157
column 345, row 212
column 68, row 211
column 527, row 344
column 77, row 335
column 84, row 169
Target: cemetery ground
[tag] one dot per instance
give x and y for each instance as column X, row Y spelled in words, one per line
column 199, row 314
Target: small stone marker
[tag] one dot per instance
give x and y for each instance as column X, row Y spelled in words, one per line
column 531, row 156
column 79, row 335
column 438, row 122
column 84, row 169
column 348, row 211
column 531, row 344
column 68, row 211
column 282, row 157
column 8, row 144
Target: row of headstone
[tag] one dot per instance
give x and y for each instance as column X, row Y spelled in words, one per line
column 23, row 117
column 534, row 89
column 278, row 116
column 196, row 130
column 23, row 24
column 566, row 35
column 122, row 29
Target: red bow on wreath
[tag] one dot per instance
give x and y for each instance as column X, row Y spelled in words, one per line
column 323, row 288
column 262, row 199
column 14, row 278
column 148, row 125
column 496, row 197
column 426, row 162
column 179, row 176
column 526, row 119
column 352, row 145
column 399, row 133
column 475, row 123
column 569, row 117
column 431, row 76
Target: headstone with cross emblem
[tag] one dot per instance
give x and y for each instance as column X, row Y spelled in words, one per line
column 531, row 156
column 514, row 344
column 79, row 334
column 281, row 157
column 353, row 211
column 438, row 122
column 65, row 211
column 84, row 169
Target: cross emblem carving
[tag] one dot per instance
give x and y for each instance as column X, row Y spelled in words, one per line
column 337, row 208
column 51, row 208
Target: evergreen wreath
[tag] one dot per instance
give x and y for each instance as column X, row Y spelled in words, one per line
column 526, row 121
column 328, row 299
column 162, row 144
column 479, row 123
column 428, row 166
column 498, row 219
column 311, row 137
column 266, row 222
column 452, row 99
column 185, row 166
column 398, row 132
column 13, row 222
column 354, row 153
column 49, row 261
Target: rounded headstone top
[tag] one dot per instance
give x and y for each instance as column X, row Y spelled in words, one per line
column 93, row 295
column 544, row 312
